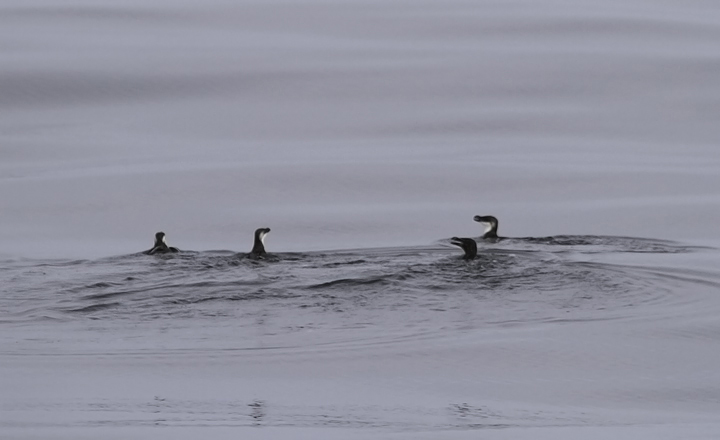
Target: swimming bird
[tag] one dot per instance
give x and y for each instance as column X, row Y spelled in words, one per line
column 468, row 245
column 160, row 246
column 490, row 223
column 259, row 244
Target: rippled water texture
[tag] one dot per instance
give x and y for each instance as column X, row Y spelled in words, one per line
column 535, row 278
column 569, row 331
column 365, row 134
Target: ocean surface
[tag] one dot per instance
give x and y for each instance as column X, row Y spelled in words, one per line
column 365, row 134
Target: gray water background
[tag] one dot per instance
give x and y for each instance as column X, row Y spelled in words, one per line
column 365, row 134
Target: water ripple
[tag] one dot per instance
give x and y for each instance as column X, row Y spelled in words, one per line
column 401, row 290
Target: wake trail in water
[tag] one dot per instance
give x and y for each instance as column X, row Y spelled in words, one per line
column 524, row 279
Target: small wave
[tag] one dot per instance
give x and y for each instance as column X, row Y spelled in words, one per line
column 344, row 263
column 94, row 308
column 351, row 282
column 600, row 244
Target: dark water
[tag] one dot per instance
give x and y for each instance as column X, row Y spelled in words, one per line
column 398, row 289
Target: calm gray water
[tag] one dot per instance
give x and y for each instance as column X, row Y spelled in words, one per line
column 365, row 134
